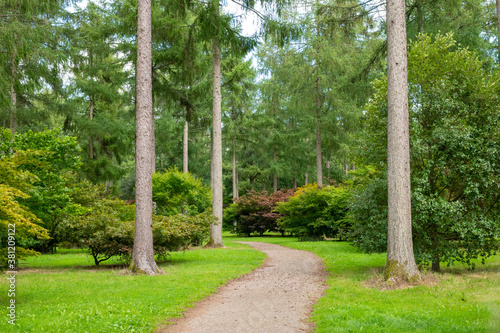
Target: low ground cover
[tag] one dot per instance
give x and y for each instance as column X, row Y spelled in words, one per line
column 456, row 300
column 63, row 292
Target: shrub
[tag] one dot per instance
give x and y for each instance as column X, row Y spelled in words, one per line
column 98, row 226
column 254, row 212
column 314, row 213
column 52, row 160
column 17, row 224
column 178, row 232
column 176, row 192
column 106, row 226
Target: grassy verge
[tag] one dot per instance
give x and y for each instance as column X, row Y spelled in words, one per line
column 462, row 300
column 63, row 293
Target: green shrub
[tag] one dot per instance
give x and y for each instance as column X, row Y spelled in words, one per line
column 106, row 226
column 178, row 232
column 368, row 212
column 314, row 213
column 53, row 160
column 18, row 225
column 176, row 192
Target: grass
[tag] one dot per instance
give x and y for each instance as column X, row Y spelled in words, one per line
column 63, row 293
column 462, row 301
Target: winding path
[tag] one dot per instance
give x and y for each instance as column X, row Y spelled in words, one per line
column 276, row 297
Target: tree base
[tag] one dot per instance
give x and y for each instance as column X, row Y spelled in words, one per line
column 395, row 272
column 135, row 269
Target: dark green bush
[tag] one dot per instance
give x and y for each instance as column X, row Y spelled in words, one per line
column 176, row 192
column 316, row 213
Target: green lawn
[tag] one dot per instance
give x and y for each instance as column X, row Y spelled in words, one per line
column 59, row 297
column 463, row 301
column 63, row 293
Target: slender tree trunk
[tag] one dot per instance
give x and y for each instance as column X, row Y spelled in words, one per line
column 498, row 28
column 91, row 140
column 294, row 183
column 13, row 95
column 211, row 160
column 216, row 229
column 307, row 179
column 319, row 164
column 400, row 258
column 185, row 148
column 235, row 173
column 143, row 260
column 420, row 18
column 275, row 177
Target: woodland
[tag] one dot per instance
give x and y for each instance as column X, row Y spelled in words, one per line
column 299, row 143
column 142, row 140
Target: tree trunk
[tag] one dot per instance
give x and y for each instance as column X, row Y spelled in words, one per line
column 143, row 260
column 400, row 258
column 319, row 164
column 420, row 17
column 212, row 159
column 91, row 140
column 235, row 174
column 307, row 179
column 216, row 229
column 435, row 243
column 13, row 95
column 185, row 148
column 498, row 28
column 275, row 177
column 294, row 183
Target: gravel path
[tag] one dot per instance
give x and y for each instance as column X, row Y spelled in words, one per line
column 276, row 297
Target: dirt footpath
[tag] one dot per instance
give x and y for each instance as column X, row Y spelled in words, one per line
column 276, row 297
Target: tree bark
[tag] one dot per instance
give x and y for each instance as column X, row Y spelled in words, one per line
column 319, row 164
column 235, row 173
column 275, row 177
column 420, row 18
column 294, row 183
column 185, row 148
column 400, row 258
column 91, row 140
column 143, row 260
column 307, row 179
column 216, row 229
column 13, row 94
column 498, row 28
